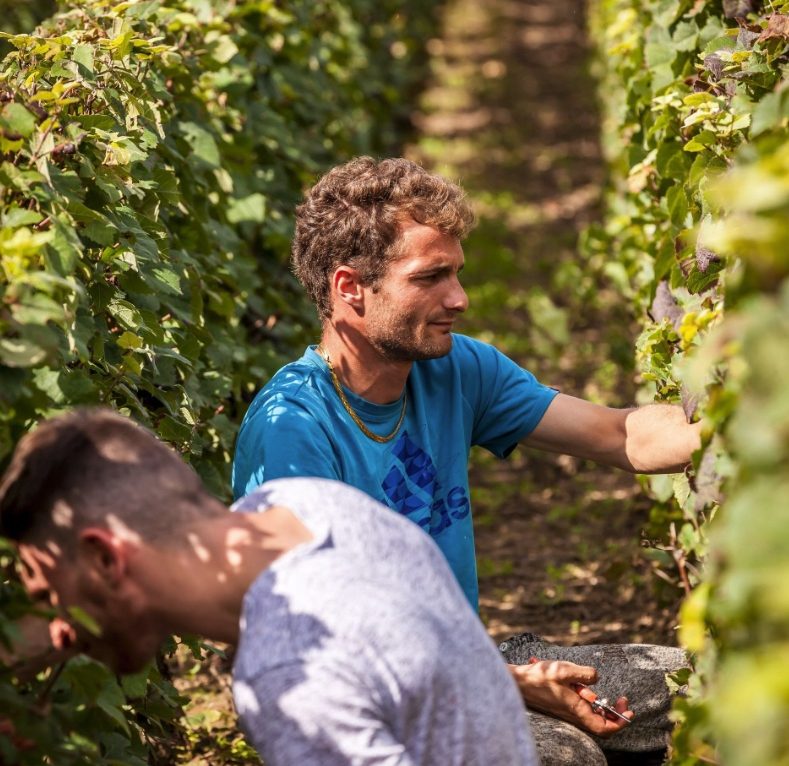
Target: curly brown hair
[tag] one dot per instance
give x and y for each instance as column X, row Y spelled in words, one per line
column 352, row 216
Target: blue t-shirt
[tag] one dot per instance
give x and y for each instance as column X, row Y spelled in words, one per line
column 297, row 426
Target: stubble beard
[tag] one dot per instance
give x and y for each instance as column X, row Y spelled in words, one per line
column 403, row 342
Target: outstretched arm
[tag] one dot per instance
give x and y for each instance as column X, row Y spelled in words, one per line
column 655, row 438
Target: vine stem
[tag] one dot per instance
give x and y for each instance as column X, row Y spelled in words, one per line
column 679, row 557
column 42, row 697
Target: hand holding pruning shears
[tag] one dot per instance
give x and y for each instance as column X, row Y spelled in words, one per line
column 599, row 706
column 561, row 689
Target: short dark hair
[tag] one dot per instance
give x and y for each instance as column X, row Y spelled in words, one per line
column 93, row 465
column 353, row 213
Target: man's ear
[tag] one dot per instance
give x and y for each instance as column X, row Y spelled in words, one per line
column 347, row 287
column 103, row 554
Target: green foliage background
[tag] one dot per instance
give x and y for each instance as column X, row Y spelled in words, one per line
column 151, row 155
column 696, row 105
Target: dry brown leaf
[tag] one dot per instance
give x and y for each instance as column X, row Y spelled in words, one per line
column 777, row 27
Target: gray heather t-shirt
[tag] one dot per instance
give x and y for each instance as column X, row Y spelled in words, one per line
column 359, row 647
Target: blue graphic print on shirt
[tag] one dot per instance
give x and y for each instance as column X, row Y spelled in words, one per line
column 412, row 488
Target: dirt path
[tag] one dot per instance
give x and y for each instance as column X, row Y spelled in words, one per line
column 511, row 113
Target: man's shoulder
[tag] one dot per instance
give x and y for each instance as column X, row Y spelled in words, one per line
column 297, row 381
column 293, row 376
column 290, row 403
column 319, row 501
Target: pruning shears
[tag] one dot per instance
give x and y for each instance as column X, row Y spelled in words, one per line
column 601, row 706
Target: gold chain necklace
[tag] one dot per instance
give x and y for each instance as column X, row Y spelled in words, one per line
column 345, row 403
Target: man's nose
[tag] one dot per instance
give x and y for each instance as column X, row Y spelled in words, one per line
column 456, row 298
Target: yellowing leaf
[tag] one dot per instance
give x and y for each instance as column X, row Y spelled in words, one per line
column 129, row 340
column 692, row 627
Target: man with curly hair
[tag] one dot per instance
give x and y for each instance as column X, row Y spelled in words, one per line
column 391, row 401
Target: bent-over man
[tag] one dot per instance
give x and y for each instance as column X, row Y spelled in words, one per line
column 355, row 645
column 391, row 401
